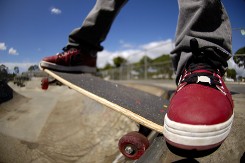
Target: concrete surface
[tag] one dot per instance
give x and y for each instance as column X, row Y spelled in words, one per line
column 58, row 125
column 61, row 125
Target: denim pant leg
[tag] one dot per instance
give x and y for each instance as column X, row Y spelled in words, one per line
column 96, row 25
column 208, row 22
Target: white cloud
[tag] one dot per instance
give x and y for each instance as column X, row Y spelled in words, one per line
column 55, row 11
column 13, row 51
column 134, row 54
column 152, row 49
column 131, row 55
column 125, row 45
column 157, row 48
column 3, row 46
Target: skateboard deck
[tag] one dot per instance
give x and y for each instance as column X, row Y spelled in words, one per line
column 144, row 108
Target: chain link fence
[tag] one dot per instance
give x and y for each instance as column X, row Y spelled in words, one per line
column 146, row 71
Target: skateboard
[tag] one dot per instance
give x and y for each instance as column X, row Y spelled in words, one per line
column 144, row 108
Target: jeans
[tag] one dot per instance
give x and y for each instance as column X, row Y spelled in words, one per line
column 205, row 20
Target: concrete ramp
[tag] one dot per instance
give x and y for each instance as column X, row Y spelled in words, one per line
column 23, row 117
column 58, row 125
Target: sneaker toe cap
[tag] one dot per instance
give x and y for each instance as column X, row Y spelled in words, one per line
column 199, row 105
column 49, row 59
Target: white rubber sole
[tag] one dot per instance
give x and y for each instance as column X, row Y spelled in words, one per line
column 198, row 136
column 86, row 69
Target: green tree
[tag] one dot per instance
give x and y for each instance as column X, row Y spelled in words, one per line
column 231, row 73
column 118, row 61
column 240, row 59
column 145, row 60
column 162, row 58
column 33, row 68
column 3, row 72
column 108, row 66
column 16, row 70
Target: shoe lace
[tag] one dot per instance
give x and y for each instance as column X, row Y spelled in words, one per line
column 201, row 69
column 205, row 78
column 66, row 50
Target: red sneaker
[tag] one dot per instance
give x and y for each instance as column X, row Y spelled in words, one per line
column 71, row 60
column 200, row 113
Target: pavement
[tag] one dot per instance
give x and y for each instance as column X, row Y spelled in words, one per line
column 61, row 125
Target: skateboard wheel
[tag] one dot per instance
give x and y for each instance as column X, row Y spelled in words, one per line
column 133, row 145
column 45, row 83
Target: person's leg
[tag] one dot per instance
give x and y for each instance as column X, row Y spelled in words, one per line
column 200, row 113
column 208, row 22
column 96, row 25
column 80, row 54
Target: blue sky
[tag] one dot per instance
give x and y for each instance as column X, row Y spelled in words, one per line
column 33, row 29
